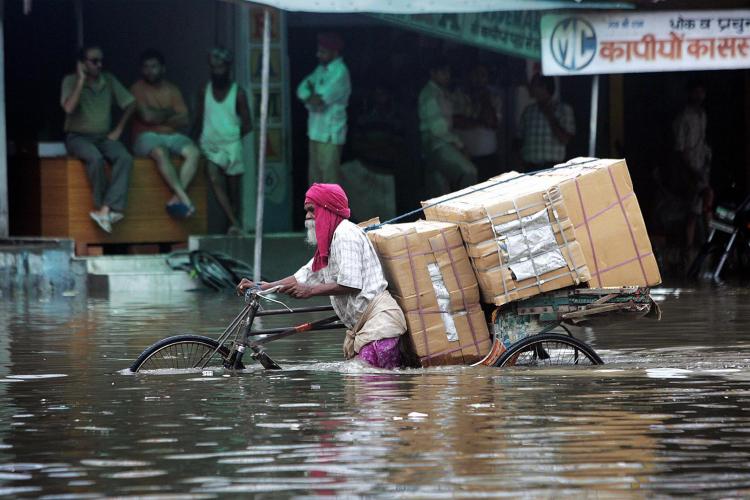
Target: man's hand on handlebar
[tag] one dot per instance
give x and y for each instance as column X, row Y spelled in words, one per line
column 245, row 283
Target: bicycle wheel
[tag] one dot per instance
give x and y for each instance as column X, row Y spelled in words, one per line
column 179, row 352
column 549, row 349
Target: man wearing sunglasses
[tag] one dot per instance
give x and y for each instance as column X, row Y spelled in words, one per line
column 87, row 98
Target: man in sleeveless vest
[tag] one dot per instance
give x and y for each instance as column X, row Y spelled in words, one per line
column 223, row 119
column 87, row 97
column 325, row 93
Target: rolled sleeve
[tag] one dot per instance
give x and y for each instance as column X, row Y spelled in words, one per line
column 122, row 96
column 303, row 90
column 306, row 275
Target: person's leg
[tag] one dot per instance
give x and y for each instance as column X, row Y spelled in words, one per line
column 458, row 171
column 216, row 176
column 121, row 161
column 313, row 171
column 234, row 189
column 192, row 156
column 161, row 156
column 329, row 158
column 85, row 150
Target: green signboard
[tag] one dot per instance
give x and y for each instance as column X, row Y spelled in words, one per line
column 510, row 32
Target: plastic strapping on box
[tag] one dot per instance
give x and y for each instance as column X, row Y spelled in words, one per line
column 510, row 212
column 460, row 286
column 499, row 254
column 528, row 246
column 588, row 230
column 416, row 290
column 460, row 348
column 630, row 228
column 608, row 208
column 553, row 196
column 416, row 254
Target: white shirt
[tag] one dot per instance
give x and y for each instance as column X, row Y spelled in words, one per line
column 690, row 138
column 352, row 262
column 436, row 118
column 331, row 82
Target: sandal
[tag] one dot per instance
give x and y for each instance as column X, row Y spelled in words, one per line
column 180, row 210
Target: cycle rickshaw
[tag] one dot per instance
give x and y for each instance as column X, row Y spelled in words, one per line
column 531, row 332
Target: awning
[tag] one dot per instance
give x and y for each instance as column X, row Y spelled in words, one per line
column 437, row 6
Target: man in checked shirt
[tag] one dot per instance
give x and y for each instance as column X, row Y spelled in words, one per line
column 346, row 268
column 546, row 127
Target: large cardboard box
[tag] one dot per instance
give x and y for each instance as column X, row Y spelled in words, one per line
column 608, row 244
column 430, row 276
column 518, row 235
column 608, row 222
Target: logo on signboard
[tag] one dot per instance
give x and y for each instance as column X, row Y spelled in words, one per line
column 573, row 43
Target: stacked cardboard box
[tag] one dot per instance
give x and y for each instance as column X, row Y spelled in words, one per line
column 518, row 235
column 431, row 278
column 528, row 234
column 608, row 222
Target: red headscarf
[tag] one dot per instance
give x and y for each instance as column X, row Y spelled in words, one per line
column 331, row 207
column 330, row 41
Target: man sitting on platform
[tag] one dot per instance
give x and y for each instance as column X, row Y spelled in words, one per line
column 160, row 111
column 87, row 98
column 346, row 268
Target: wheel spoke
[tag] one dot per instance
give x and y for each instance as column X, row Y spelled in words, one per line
column 549, row 350
column 180, row 352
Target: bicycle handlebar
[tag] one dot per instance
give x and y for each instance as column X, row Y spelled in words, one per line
column 256, row 291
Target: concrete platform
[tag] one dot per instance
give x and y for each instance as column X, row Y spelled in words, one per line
column 109, row 274
column 40, row 266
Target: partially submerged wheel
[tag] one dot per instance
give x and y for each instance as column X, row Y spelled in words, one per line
column 549, row 349
column 181, row 352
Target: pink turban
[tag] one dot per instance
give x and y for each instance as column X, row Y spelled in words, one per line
column 331, row 207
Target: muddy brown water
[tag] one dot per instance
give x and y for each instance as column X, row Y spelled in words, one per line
column 667, row 416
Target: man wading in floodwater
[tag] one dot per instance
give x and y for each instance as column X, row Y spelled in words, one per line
column 346, row 268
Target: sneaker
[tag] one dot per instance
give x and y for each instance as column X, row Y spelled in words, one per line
column 115, row 217
column 102, row 221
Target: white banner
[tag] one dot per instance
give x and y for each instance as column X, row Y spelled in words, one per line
column 642, row 42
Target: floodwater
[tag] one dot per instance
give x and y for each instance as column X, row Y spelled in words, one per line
column 667, row 416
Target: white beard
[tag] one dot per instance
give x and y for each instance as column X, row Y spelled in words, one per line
column 311, row 238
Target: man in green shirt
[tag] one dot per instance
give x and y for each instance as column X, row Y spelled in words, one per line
column 87, row 97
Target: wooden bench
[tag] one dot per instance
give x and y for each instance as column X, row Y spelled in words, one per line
column 66, row 201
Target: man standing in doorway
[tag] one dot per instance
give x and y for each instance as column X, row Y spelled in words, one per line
column 447, row 160
column 547, row 126
column 695, row 155
column 87, row 97
column 325, row 93
column 222, row 120
column 160, row 111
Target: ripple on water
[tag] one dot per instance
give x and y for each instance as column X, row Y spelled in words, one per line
column 135, row 474
column 114, row 463
column 36, row 376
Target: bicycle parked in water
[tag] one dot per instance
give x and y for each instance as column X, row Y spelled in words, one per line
column 523, row 332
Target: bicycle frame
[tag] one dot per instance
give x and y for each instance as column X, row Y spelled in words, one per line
column 245, row 337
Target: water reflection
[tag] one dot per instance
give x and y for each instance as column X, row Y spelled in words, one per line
column 667, row 416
